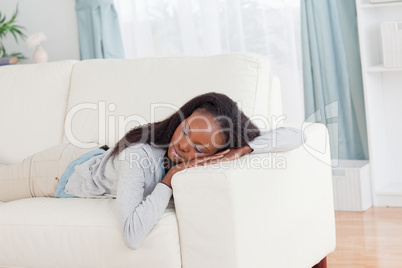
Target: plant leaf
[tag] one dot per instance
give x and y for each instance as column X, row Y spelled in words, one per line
column 21, row 34
column 7, row 27
column 3, row 51
column 15, row 14
column 2, row 19
column 19, row 55
column 15, row 36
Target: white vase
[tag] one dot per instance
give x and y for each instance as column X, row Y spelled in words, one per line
column 40, row 55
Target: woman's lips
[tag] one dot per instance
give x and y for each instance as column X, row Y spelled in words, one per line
column 175, row 153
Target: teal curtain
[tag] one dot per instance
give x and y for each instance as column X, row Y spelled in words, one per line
column 333, row 87
column 99, row 30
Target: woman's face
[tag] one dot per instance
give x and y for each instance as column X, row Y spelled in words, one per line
column 197, row 136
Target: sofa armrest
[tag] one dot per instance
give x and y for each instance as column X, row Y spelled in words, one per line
column 262, row 210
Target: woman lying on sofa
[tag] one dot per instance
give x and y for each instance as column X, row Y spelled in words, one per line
column 208, row 129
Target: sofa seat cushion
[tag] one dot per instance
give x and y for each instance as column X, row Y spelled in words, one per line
column 75, row 232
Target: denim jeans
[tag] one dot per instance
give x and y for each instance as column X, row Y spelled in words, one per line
column 70, row 170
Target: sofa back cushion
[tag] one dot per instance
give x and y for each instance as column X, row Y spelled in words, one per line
column 109, row 97
column 33, row 102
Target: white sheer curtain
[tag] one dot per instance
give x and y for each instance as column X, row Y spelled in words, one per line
column 152, row 28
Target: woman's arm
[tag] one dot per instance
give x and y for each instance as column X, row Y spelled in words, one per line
column 136, row 216
column 208, row 160
column 277, row 140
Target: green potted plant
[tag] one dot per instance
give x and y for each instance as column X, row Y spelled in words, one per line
column 7, row 28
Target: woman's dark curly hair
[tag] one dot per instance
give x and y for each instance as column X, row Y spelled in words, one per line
column 236, row 127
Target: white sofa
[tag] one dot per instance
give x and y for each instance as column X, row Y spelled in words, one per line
column 240, row 215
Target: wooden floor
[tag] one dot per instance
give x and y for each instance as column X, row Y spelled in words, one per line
column 368, row 239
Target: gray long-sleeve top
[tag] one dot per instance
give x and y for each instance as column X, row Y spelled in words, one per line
column 135, row 181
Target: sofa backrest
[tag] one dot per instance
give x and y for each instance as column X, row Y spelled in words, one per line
column 109, row 97
column 33, row 102
column 81, row 102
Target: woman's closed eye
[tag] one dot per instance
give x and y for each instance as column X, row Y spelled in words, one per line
column 184, row 130
column 198, row 150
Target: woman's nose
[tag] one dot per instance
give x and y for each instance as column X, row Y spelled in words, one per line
column 184, row 145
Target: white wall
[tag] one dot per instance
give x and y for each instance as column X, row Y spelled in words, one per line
column 55, row 18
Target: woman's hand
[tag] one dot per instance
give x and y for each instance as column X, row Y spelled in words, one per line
column 208, row 160
column 236, row 153
column 224, row 156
